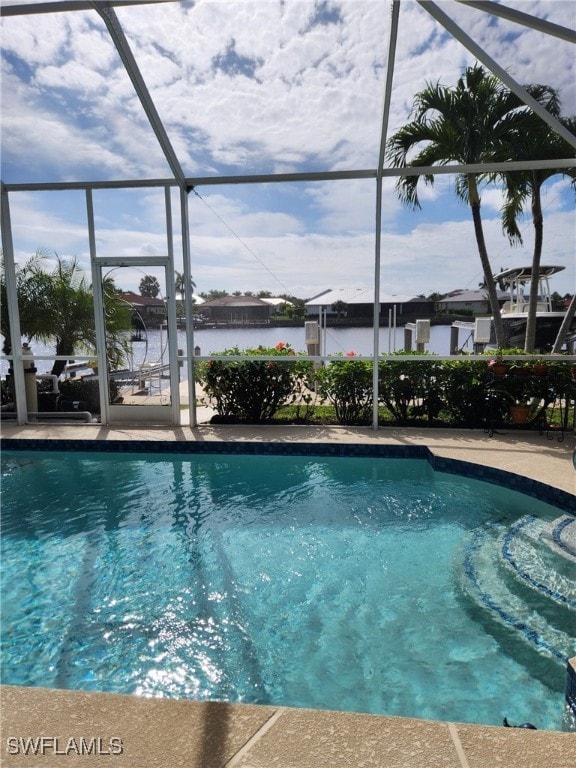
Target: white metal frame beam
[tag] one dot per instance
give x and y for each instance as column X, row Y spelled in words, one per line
column 63, row 6
column 108, row 15
column 431, row 7
column 284, row 178
column 518, row 17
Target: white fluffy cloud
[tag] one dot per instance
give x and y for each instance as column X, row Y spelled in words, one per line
column 250, row 87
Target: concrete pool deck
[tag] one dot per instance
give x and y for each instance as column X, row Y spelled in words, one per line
column 167, row 733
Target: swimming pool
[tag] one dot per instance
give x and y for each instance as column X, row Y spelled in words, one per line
column 365, row 584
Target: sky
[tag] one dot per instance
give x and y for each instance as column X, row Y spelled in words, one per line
column 264, row 87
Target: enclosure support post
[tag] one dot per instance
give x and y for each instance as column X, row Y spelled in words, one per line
column 188, row 311
column 379, row 175
column 13, row 313
column 172, row 325
column 98, row 313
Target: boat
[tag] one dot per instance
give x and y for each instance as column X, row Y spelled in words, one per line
column 514, row 311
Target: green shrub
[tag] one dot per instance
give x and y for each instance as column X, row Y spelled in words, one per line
column 412, row 390
column 347, row 384
column 253, row 390
column 465, row 390
column 460, row 392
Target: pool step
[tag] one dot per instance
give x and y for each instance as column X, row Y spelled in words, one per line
column 532, row 556
column 487, row 583
column 564, row 537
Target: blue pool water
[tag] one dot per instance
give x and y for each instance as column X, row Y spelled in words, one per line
column 343, row 583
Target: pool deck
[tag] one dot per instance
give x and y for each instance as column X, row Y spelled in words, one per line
column 169, row 734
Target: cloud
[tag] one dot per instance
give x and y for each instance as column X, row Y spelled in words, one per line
column 528, row 55
column 262, row 87
column 276, row 252
column 309, row 97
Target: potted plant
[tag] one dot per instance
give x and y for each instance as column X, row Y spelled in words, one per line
column 521, row 369
column 520, row 412
column 540, row 368
column 497, row 365
column 520, row 397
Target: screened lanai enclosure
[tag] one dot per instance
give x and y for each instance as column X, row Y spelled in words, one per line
column 153, row 151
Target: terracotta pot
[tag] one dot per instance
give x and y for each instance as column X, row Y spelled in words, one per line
column 573, row 374
column 519, row 413
column 498, row 369
column 524, row 370
column 540, row 369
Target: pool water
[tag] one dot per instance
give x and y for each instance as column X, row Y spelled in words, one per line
column 340, row 583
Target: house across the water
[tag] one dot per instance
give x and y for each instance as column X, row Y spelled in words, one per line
column 146, row 312
column 473, row 302
column 356, row 305
column 238, row 310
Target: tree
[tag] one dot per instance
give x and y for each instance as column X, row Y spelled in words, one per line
column 214, row 293
column 436, row 298
column 339, row 307
column 149, row 287
column 59, row 306
column 180, row 284
column 294, row 308
column 31, row 290
column 540, row 141
column 296, row 311
column 70, row 311
column 466, row 124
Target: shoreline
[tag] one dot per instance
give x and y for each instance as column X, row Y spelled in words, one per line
column 333, row 322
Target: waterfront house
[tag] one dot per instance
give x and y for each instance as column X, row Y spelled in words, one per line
column 238, row 310
column 147, row 311
column 356, row 305
column 473, row 302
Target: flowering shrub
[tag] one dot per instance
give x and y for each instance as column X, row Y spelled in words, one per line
column 347, row 384
column 253, row 390
column 411, row 392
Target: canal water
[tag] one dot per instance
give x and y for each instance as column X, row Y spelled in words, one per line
column 216, row 340
column 337, row 341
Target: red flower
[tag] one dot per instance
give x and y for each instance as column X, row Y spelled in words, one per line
column 350, row 354
column 280, row 345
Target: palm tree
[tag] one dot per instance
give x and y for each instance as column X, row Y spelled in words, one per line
column 70, row 315
column 539, row 142
column 465, row 124
column 180, row 284
column 149, row 287
column 31, row 288
column 59, row 305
